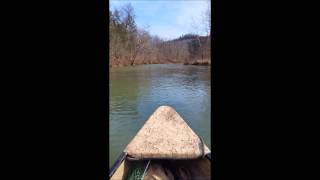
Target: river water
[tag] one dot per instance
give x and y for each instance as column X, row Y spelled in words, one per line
column 136, row 92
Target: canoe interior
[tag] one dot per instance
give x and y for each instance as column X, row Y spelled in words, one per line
column 197, row 169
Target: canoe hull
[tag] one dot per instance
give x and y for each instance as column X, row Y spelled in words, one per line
column 171, row 148
column 199, row 168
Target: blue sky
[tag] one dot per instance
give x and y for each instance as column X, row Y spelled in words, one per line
column 167, row 19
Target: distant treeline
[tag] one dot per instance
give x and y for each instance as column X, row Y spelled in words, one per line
column 130, row 45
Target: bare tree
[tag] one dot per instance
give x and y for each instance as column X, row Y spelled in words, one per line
column 207, row 18
column 140, row 44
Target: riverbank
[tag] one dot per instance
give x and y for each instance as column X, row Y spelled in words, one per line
column 205, row 62
column 199, row 62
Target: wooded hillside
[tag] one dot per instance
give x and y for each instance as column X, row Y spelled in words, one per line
column 130, row 45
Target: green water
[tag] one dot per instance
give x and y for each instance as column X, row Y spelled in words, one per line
column 136, row 92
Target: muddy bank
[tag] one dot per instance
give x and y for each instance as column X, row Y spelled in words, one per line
column 199, row 62
column 205, row 62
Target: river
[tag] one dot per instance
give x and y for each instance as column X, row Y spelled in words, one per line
column 136, row 92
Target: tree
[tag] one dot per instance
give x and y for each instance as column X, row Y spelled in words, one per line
column 207, row 18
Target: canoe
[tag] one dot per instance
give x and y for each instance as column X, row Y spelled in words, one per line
column 164, row 148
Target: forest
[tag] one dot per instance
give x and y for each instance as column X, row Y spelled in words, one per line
column 132, row 45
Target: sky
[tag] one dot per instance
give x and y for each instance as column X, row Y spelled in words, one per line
column 167, row 19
